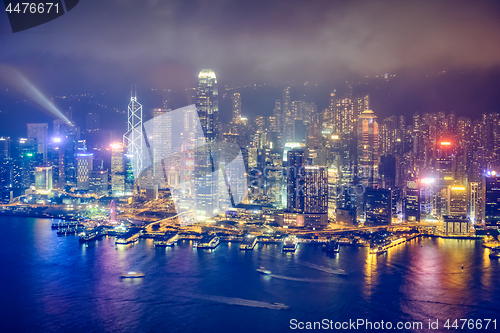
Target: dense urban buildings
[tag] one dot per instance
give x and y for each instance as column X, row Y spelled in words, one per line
column 313, row 167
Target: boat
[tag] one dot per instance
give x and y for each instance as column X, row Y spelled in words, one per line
column 208, row 242
column 132, row 275
column 290, row 244
column 89, row 236
column 263, row 270
column 332, row 246
column 495, row 253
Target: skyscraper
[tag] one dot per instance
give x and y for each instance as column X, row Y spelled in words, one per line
column 133, row 138
column 39, row 131
column 295, row 199
column 162, row 137
column 378, row 206
column 84, row 166
column 368, row 148
column 43, row 178
column 236, row 108
column 117, row 169
column 206, row 173
column 207, row 104
column 315, row 196
column 491, row 195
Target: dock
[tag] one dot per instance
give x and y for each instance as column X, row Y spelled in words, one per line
column 208, row 242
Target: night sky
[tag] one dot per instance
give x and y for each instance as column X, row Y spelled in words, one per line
column 105, row 45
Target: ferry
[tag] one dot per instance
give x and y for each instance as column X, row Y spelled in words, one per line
column 263, row 270
column 88, row 236
column 495, row 253
column 248, row 243
column 132, row 275
column 208, row 242
column 128, row 240
column 290, row 244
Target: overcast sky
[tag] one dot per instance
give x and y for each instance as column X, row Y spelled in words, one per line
column 163, row 43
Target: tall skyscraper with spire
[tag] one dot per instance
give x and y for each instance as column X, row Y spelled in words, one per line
column 206, row 177
column 133, row 138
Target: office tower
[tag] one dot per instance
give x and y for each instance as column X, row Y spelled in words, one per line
column 43, row 178
column 295, row 198
column 207, row 104
column 314, row 132
column 4, row 147
column 378, row 206
column 443, row 166
column 333, row 188
column 128, row 166
column 92, row 122
column 315, row 192
column 236, row 108
column 288, row 121
column 69, row 176
column 84, row 164
column 330, row 117
column 272, row 185
column 133, row 139
column 27, row 159
column 117, row 169
column 206, row 157
column 6, row 173
column 474, row 202
column 55, row 158
column 162, row 138
column 457, row 201
column 491, row 198
column 39, row 132
column 98, row 181
column 368, row 148
column 388, row 171
column 412, row 201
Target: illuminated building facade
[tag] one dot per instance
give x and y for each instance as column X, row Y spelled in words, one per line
column 39, row 131
column 117, row 169
column 491, row 195
column 85, row 164
column 412, row 202
column 457, row 201
column 98, row 181
column 206, row 176
column 133, row 139
column 294, row 181
column 378, row 206
column 43, row 178
column 368, row 148
column 236, row 108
